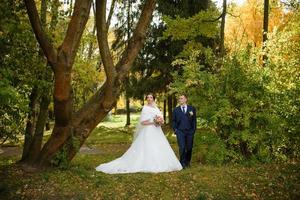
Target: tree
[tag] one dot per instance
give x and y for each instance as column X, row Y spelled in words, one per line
column 20, row 70
column 152, row 71
column 72, row 128
column 252, row 110
column 244, row 24
column 40, row 95
column 265, row 28
column 222, row 35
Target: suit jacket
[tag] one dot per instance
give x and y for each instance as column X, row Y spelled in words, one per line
column 184, row 121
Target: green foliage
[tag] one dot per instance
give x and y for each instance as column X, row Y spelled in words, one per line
column 13, row 108
column 61, row 159
column 85, row 81
column 19, row 61
column 209, row 148
column 253, row 110
column 200, row 24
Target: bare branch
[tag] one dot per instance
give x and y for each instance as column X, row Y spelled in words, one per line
column 39, row 32
column 233, row 15
column 214, row 20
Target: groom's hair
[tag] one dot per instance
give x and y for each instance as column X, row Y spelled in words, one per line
column 151, row 95
column 182, row 94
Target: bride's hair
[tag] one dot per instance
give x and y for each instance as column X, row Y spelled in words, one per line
column 151, row 95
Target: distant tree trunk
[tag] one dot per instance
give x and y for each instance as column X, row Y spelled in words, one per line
column 127, row 79
column 111, row 11
column 90, row 49
column 170, row 109
column 127, row 110
column 265, row 29
column 165, row 109
column 71, row 8
column 174, row 104
column 222, row 35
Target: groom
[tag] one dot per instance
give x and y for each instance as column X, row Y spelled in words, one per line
column 184, row 124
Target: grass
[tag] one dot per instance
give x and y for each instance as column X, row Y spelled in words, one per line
column 200, row 182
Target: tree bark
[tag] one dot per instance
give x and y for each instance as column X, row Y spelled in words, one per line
column 222, row 35
column 34, row 98
column 128, row 76
column 30, row 125
column 127, row 110
column 36, row 143
column 170, row 109
column 165, row 110
column 265, row 29
column 111, row 12
column 90, row 48
column 61, row 62
column 39, row 32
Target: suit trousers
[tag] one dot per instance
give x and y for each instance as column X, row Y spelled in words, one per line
column 185, row 141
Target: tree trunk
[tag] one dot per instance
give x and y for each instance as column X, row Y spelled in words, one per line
column 127, row 79
column 90, row 49
column 36, row 143
column 61, row 61
column 165, row 109
column 170, row 109
column 222, row 35
column 31, row 123
column 71, row 8
column 63, row 110
column 265, row 29
column 71, row 130
column 127, row 110
column 95, row 110
column 174, row 104
column 30, row 126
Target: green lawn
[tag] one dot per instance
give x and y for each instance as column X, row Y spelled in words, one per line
column 81, row 181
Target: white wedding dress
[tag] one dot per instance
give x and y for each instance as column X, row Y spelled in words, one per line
column 149, row 152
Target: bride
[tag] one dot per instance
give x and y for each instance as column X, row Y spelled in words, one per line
column 150, row 150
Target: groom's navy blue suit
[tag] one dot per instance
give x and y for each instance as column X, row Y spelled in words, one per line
column 184, row 125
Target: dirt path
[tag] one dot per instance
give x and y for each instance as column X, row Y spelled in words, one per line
column 8, row 151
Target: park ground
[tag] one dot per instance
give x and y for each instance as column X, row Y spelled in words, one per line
column 109, row 141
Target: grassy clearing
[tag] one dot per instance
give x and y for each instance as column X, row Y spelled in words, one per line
column 81, row 181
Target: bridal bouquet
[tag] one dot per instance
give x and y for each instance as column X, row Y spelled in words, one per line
column 158, row 120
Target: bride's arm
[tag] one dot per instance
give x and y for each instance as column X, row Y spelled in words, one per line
column 147, row 122
column 145, row 118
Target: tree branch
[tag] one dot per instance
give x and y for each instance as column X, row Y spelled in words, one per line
column 75, row 31
column 111, row 12
column 214, row 20
column 137, row 40
column 103, row 42
column 46, row 45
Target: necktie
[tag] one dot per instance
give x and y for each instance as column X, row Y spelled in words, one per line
column 183, row 109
